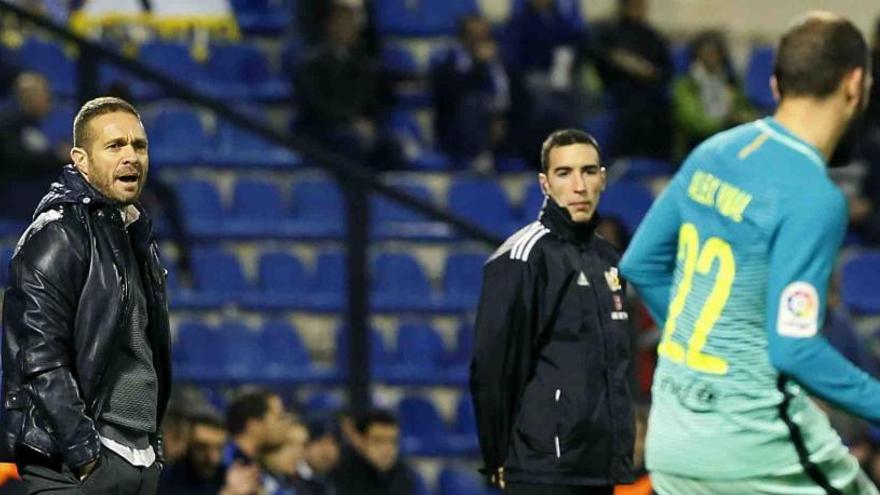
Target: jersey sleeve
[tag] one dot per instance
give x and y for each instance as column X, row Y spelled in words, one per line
column 649, row 261
column 802, row 257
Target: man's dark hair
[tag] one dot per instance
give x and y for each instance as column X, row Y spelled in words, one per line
column 95, row 108
column 253, row 404
column 564, row 137
column 375, row 417
column 207, row 416
column 816, row 53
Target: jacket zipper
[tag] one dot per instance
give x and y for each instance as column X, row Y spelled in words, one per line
column 556, row 439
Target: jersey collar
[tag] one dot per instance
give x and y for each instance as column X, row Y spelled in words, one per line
column 779, row 133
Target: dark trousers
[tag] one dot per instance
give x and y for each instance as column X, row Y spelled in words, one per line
column 112, row 476
column 540, row 489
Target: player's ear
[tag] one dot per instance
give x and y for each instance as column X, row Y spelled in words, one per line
column 80, row 160
column 774, row 87
column 545, row 185
column 853, row 84
column 604, row 177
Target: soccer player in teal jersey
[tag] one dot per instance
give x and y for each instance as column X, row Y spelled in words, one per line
column 733, row 261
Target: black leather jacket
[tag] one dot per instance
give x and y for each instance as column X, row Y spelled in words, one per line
column 66, row 303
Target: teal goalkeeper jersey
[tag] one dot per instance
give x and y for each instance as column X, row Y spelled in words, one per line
column 733, row 261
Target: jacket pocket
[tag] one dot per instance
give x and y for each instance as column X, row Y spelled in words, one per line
column 584, row 430
column 538, row 425
column 13, row 423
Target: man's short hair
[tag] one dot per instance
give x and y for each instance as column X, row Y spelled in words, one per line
column 816, row 53
column 252, row 404
column 375, row 417
column 207, row 416
column 564, row 137
column 95, row 108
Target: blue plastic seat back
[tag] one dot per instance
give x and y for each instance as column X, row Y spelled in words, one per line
column 173, row 60
column 463, row 276
column 217, row 270
column 199, row 199
column 859, row 283
column 318, row 200
column 628, row 201
column 283, row 346
column 240, row 63
column 283, row 273
column 400, row 274
column 483, row 202
column 758, row 72
column 419, row 418
column 256, row 199
column 420, row 345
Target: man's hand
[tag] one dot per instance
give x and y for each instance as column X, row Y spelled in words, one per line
column 497, row 479
column 85, row 471
column 241, row 479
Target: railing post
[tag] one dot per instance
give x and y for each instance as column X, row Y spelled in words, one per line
column 358, row 307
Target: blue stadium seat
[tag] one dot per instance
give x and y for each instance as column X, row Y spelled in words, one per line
column 859, row 283
column 198, row 352
column 420, row 355
column 462, row 279
column 177, row 136
column 57, row 125
column 318, row 208
column 244, row 355
column 202, row 210
column 464, row 349
column 241, row 71
column 641, row 168
column 399, row 284
column 757, row 82
column 421, row 17
column 460, row 482
column 405, row 129
column 285, row 355
column 601, row 126
column 483, row 202
column 533, row 201
column 380, row 359
column 398, row 61
column 264, row 17
column 218, row 274
column 283, row 283
column 628, row 201
column 464, row 429
column 48, row 58
column 173, row 60
column 330, row 282
column 241, row 148
column 422, row 429
column 393, row 220
column 325, row 404
column 257, row 208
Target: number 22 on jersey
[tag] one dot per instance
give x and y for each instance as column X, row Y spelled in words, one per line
column 699, row 260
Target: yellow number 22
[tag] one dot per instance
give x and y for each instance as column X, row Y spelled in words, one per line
column 701, row 261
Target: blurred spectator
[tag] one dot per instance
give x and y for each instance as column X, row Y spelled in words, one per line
column 254, row 419
column 280, row 464
column 321, row 456
column 340, row 91
column 28, row 159
column 708, row 98
column 375, row 468
column 25, row 150
column 471, row 94
column 633, row 61
column 200, row 471
column 9, row 72
column 541, row 45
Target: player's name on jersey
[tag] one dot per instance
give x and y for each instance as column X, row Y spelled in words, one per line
column 729, row 200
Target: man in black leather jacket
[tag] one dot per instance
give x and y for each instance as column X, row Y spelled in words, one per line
column 86, row 348
column 549, row 375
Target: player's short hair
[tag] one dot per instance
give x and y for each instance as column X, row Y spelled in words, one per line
column 93, row 109
column 565, row 137
column 816, row 53
column 251, row 404
column 375, row 417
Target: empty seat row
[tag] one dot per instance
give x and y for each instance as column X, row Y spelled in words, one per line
column 241, row 71
column 398, row 283
column 317, row 209
column 425, row 433
column 231, row 352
